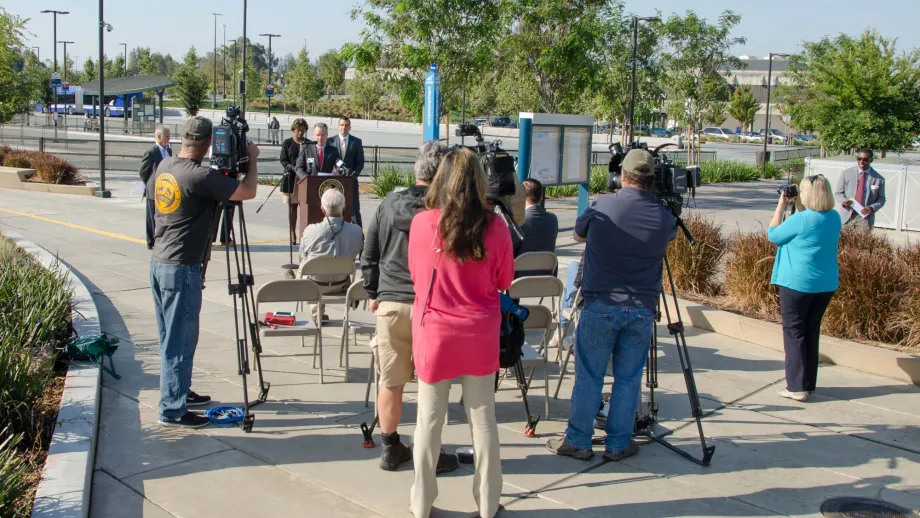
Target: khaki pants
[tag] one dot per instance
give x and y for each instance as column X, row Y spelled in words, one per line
column 479, row 403
column 337, row 289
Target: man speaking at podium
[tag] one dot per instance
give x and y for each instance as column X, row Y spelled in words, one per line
column 319, row 157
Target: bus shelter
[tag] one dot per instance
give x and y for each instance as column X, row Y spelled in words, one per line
column 128, row 88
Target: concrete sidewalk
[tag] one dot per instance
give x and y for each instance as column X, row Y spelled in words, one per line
column 860, row 435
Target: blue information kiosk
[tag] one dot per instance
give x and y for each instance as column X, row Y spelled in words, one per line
column 556, row 150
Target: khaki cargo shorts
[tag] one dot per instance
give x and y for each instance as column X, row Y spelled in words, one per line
column 393, row 343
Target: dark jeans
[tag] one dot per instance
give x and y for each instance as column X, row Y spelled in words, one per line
column 151, row 222
column 177, row 304
column 802, row 314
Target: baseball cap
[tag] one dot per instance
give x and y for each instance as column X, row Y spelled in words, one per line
column 637, row 158
column 196, row 128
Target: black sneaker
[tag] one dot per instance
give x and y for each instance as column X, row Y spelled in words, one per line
column 392, row 455
column 446, row 463
column 189, row 420
column 193, row 399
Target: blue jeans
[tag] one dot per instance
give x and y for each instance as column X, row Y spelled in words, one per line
column 568, row 293
column 604, row 330
column 177, row 302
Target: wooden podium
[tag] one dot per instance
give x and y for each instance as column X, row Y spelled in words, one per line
column 310, row 191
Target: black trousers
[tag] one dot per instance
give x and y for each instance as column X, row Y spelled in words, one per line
column 356, row 206
column 802, row 314
column 151, row 223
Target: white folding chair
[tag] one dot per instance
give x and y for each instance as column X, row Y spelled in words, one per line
column 541, row 318
column 540, row 286
column 542, row 262
column 327, row 266
column 297, row 291
column 355, row 321
column 574, row 313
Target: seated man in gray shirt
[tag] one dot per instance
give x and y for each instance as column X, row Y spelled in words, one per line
column 333, row 237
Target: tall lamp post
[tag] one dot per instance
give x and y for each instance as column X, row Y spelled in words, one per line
column 766, row 125
column 103, row 27
column 65, row 43
column 54, row 90
column 270, row 36
column 223, row 68
column 214, row 90
column 635, row 59
column 243, row 71
column 125, row 45
column 235, row 86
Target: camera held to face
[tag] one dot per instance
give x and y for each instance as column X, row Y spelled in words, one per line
column 788, row 191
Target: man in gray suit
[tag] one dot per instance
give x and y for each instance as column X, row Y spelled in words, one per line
column 351, row 151
column 866, row 186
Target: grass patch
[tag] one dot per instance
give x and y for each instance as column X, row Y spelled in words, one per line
column 597, row 184
column 727, row 171
column 35, row 313
column 748, row 268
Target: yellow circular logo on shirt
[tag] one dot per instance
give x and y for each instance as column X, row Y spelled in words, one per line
column 168, row 197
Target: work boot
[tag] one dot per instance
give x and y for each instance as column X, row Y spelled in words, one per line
column 393, row 452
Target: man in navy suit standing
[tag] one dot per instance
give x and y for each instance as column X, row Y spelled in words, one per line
column 351, row 151
column 319, row 157
column 149, row 162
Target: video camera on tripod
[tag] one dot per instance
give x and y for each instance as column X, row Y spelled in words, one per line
column 228, row 144
column 671, row 181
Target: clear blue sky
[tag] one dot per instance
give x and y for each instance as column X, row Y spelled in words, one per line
column 771, row 26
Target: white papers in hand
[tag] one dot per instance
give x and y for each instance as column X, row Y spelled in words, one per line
column 855, row 205
column 138, row 189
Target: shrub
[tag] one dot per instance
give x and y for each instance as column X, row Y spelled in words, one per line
column 598, row 180
column 18, row 159
column 726, row 171
column 14, row 472
column 52, row 169
column 694, row 268
column 561, row 191
column 389, row 178
column 748, row 269
column 4, row 150
column 872, row 287
column 860, row 240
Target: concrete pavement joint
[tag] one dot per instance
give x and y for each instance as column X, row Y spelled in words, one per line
column 116, row 479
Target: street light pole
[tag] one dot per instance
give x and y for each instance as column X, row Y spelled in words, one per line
column 243, row 79
column 102, row 192
column 125, row 45
column 766, row 125
column 65, row 57
column 632, row 84
column 270, row 36
column 214, row 89
column 235, row 85
column 223, row 72
column 54, row 90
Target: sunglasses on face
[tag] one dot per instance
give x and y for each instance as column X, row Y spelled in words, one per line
column 863, row 159
column 811, row 179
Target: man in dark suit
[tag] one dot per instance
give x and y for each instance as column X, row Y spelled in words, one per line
column 540, row 227
column 351, row 149
column 319, row 157
column 149, row 163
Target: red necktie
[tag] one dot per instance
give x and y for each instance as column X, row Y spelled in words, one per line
column 861, row 187
column 319, row 157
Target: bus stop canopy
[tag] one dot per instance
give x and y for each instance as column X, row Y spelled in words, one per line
column 128, row 85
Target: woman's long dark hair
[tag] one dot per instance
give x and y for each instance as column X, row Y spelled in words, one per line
column 459, row 192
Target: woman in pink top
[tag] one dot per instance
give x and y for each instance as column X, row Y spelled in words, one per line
column 460, row 256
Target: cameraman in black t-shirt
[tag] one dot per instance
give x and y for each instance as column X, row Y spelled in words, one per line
column 187, row 196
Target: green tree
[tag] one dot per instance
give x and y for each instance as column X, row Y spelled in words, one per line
column 565, row 45
column 696, row 57
column 855, row 91
column 517, row 91
column 142, row 62
column 743, row 107
column 403, row 38
column 22, row 77
column 114, row 68
column 89, row 71
column 304, row 84
column 366, row 91
column 332, row 72
column 191, row 83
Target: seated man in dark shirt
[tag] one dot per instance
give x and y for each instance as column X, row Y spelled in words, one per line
column 540, row 227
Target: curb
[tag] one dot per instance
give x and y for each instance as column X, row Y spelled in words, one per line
column 853, row 355
column 64, row 490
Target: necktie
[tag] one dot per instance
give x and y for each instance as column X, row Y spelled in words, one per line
column 319, row 158
column 861, row 187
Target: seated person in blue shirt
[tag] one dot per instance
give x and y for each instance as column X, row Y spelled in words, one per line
column 805, row 269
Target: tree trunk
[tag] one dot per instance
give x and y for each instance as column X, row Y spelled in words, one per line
column 883, row 153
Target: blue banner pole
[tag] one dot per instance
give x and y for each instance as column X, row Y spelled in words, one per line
column 525, row 144
column 431, row 118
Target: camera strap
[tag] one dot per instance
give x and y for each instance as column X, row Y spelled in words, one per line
column 434, row 271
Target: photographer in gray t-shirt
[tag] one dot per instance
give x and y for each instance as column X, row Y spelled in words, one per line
column 187, row 196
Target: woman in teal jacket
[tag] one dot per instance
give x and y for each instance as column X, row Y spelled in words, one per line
column 806, row 272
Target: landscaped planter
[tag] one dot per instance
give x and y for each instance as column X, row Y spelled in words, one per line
column 15, row 178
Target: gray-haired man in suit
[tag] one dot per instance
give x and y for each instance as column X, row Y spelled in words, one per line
column 149, row 163
column 866, row 186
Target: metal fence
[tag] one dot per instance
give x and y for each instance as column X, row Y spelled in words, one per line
column 781, row 157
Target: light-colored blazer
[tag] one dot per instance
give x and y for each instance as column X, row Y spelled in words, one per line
column 846, row 189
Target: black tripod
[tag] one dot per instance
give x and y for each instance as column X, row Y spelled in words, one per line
column 240, row 282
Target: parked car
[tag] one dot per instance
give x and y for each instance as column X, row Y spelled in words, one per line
column 500, row 122
column 675, row 130
column 642, row 129
column 720, row 133
column 804, row 138
column 480, row 122
column 660, row 132
column 750, row 136
column 512, row 124
column 776, row 136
